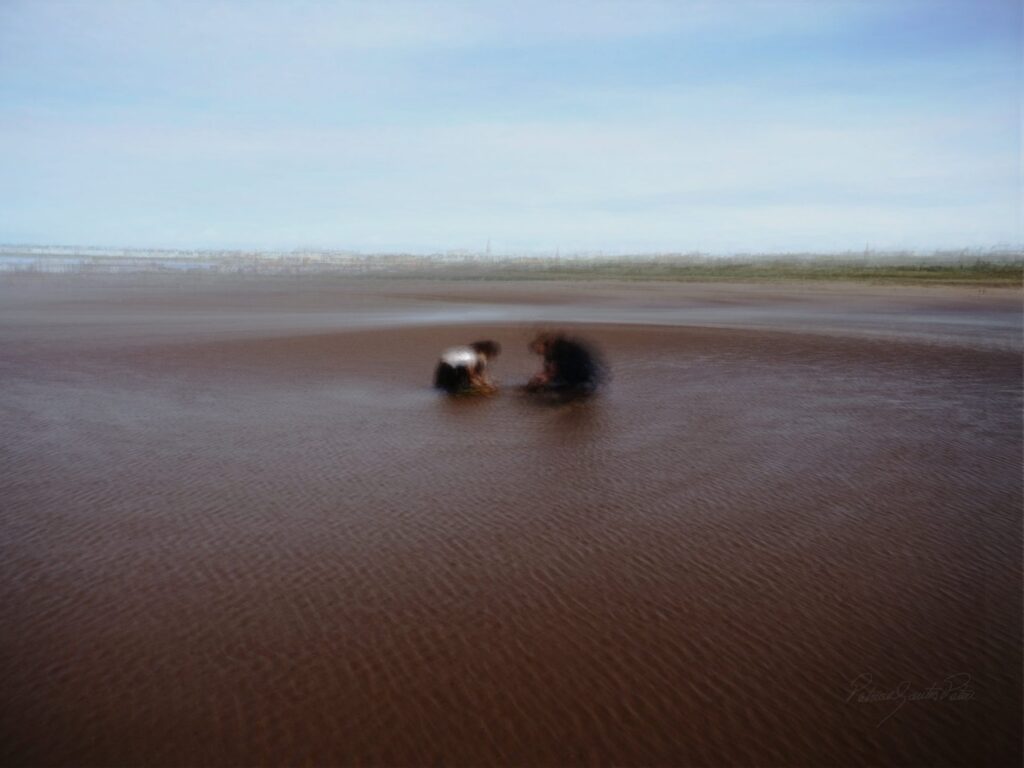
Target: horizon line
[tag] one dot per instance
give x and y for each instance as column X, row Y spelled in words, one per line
column 492, row 254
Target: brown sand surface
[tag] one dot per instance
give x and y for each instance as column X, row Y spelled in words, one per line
column 238, row 527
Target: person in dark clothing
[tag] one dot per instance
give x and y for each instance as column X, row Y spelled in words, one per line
column 570, row 366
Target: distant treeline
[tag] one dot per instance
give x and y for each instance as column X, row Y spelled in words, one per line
column 977, row 272
column 994, row 267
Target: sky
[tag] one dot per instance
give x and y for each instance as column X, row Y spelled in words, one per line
column 618, row 127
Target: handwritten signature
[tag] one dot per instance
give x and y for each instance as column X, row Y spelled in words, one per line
column 953, row 688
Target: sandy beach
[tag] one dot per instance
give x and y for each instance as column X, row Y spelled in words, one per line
column 240, row 528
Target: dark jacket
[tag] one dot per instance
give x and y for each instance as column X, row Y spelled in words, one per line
column 572, row 365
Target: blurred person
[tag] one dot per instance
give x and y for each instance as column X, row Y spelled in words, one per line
column 570, row 367
column 463, row 370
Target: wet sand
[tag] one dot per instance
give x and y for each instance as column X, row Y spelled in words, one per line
column 238, row 527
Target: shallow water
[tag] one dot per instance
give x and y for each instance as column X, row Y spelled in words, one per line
column 285, row 548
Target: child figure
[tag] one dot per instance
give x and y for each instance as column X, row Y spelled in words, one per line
column 571, row 367
column 463, row 370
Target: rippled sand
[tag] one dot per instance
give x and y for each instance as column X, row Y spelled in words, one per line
column 238, row 528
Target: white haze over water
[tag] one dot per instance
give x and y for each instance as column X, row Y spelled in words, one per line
column 426, row 126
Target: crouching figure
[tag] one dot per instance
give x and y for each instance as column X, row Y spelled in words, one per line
column 463, row 370
column 572, row 368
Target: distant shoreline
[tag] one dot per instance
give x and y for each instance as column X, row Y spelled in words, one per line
column 980, row 274
column 1001, row 271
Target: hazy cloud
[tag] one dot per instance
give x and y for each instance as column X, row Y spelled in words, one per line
column 597, row 125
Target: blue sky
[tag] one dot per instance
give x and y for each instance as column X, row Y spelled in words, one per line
column 582, row 126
